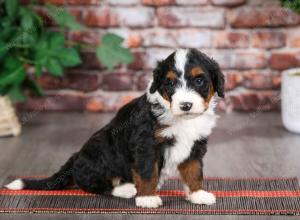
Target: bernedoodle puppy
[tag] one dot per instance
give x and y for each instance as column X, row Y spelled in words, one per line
column 159, row 135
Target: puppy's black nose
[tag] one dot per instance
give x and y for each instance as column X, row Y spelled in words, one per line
column 185, row 106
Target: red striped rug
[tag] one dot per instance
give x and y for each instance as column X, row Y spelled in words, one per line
column 257, row 196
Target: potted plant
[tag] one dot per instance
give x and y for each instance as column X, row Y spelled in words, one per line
column 290, row 87
column 28, row 49
column 290, row 99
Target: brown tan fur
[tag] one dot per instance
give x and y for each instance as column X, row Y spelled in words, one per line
column 210, row 95
column 171, row 76
column 146, row 187
column 165, row 96
column 191, row 173
column 157, row 133
column 116, row 181
column 196, row 71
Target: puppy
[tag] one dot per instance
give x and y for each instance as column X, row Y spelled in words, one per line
column 159, row 135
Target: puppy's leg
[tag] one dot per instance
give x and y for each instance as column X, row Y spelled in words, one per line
column 146, row 188
column 192, row 175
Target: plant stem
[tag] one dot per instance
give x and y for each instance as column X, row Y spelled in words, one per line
column 25, row 60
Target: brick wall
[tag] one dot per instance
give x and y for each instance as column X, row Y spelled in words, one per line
column 252, row 40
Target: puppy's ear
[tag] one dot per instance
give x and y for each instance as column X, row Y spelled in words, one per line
column 214, row 70
column 156, row 79
column 218, row 79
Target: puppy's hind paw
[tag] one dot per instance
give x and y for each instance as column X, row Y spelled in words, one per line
column 148, row 201
column 202, row 197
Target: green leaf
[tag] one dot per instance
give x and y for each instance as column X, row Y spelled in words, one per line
column 56, row 39
column 14, row 72
column 50, row 52
column 16, row 93
column 63, row 18
column 38, row 69
column 3, row 50
column 110, row 52
column 11, row 63
column 12, row 7
column 292, row 4
column 34, row 87
column 54, row 67
column 27, row 19
column 69, row 57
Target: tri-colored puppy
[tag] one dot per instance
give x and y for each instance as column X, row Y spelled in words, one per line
column 161, row 134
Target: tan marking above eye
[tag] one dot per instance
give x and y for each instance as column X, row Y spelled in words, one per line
column 171, row 75
column 196, row 71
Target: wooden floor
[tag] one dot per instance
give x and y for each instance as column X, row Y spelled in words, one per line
column 243, row 145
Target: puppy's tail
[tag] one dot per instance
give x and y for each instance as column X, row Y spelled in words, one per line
column 60, row 180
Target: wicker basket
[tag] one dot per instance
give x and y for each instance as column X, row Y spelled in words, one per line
column 9, row 124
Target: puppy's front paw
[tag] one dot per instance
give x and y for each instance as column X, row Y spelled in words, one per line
column 126, row 190
column 202, row 197
column 148, row 201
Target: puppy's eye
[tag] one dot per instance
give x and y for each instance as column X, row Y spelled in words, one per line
column 199, row 81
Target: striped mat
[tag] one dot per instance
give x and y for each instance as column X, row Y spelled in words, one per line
column 267, row 196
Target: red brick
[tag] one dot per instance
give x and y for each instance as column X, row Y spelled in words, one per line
column 77, row 13
column 293, row 38
column 233, row 79
column 226, row 39
column 102, row 17
column 255, row 101
column 25, row 2
column 249, row 17
column 55, row 2
column 159, row 37
column 78, row 81
column 263, row 80
column 135, row 16
column 191, row 16
column 158, row 2
column 193, row 38
column 62, row 101
column 284, row 60
column 241, row 60
column 47, row 21
column 222, row 106
column 109, row 101
column 134, row 40
column 228, row 2
column 84, row 2
column 153, row 55
column 118, row 81
column 139, row 61
column 88, row 37
column 90, row 61
column 143, row 80
column 191, row 2
column 127, row 2
column 267, row 3
column 268, row 39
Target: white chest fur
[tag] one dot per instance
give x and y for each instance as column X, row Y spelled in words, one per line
column 185, row 132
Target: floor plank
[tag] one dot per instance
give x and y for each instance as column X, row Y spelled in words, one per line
column 242, row 145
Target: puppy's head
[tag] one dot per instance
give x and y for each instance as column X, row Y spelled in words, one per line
column 187, row 80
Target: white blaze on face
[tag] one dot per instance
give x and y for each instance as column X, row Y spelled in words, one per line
column 183, row 93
